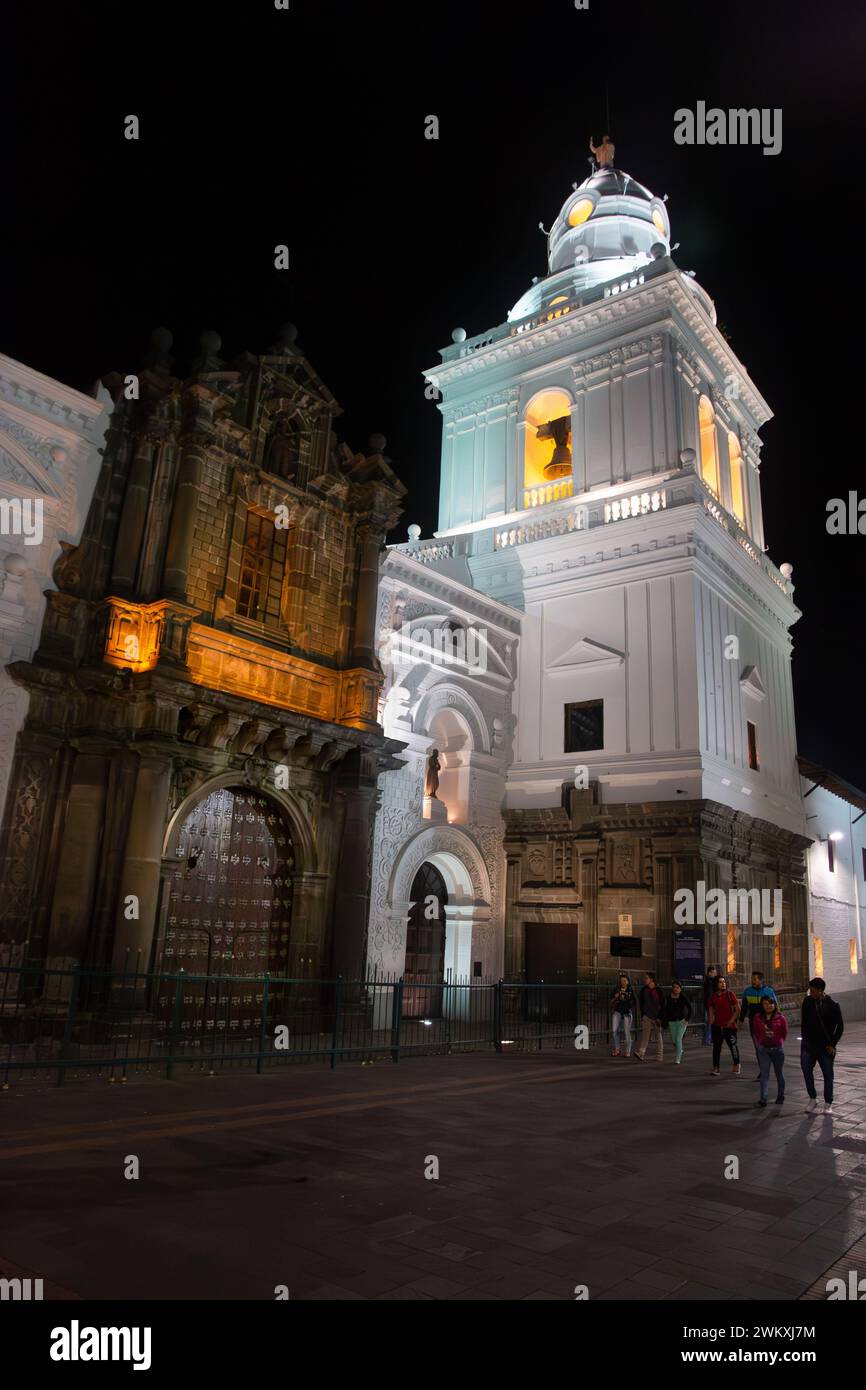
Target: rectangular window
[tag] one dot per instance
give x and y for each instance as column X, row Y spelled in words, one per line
column 584, row 726
column 852, row 954
column 754, row 761
column 831, row 857
column 819, row 956
column 262, row 570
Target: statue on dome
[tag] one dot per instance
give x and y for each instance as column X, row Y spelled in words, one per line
column 603, row 153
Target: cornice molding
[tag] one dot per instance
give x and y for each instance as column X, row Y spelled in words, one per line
column 613, row 313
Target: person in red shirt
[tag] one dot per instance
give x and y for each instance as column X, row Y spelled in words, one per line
column 723, row 1009
column 770, row 1029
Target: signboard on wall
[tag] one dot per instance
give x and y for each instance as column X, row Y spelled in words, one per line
column 625, row 946
column 625, row 924
column 689, row 963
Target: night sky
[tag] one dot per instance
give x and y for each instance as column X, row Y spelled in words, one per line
column 306, row 127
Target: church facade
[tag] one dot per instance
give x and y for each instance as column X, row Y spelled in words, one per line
column 197, row 775
column 50, row 437
column 600, row 481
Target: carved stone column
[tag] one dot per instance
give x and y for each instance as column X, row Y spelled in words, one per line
column 78, row 870
column 140, row 874
column 352, row 898
column 364, row 646
column 130, row 533
column 187, row 499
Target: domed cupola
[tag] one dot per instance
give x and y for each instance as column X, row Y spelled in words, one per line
column 607, row 227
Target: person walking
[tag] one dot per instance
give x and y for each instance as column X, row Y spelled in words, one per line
column 770, row 1031
column 623, row 1013
column 711, row 984
column 677, row 1013
column 750, row 1005
column 821, row 1026
column 724, row 1010
column 652, row 1006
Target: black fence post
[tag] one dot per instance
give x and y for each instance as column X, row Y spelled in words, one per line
column 70, row 1016
column 497, row 1016
column 175, row 1023
column 396, row 1019
column 263, row 1034
column 337, row 1000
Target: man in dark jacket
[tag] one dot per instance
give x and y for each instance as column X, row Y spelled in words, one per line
column 652, row 1006
column 821, row 1027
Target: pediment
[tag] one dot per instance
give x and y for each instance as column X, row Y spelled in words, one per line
column 752, row 685
column 587, row 652
column 24, row 460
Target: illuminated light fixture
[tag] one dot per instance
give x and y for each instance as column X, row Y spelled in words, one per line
column 747, row 791
column 427, row 1022
column 560, row 299
column 506, row 1042
column 659, row 222
column 581, row 212
column 836, row 835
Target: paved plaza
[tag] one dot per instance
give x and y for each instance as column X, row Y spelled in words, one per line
column 556, row 1170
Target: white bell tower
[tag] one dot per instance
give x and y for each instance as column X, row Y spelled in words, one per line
column 600, row 471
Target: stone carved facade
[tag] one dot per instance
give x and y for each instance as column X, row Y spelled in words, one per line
column 590, row 865
column 49, row 457
column 429, row 702
column 214, row 629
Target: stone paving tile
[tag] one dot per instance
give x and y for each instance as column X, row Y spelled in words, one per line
column 630, row 1291
column 691, row 1292
column 529, row 1203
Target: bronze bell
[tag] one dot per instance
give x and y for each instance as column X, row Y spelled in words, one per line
column 560, row 461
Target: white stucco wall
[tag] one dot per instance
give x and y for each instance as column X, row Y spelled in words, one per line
column 50, row 437
column 837, row 898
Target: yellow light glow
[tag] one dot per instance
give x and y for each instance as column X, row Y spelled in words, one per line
column 547, row 405
column 560, row 299
column 709, row 451
column 133, row 636
column 852, row 950
column 777, row 954
column 732, row 949
column 819, row 956
column 582, row 210
column 659, row 221
column 738, row 498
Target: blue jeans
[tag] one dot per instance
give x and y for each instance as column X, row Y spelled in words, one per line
column 622, row 1025
column 825, row 1062
column 775, row 1057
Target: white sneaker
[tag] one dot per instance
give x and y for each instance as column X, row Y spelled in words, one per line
column 811, row 1107
column 828, row 1107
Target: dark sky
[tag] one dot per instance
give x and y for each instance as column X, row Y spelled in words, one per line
column 306, row 127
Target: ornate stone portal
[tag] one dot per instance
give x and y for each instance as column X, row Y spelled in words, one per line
column 206, row 678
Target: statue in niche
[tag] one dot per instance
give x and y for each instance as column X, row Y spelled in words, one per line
column 283, row 448
column 431, row 781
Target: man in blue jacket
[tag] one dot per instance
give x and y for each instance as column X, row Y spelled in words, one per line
column 751, row 1004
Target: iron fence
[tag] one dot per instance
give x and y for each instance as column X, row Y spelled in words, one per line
column 77, row 1023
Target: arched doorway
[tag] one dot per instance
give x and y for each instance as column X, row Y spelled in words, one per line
column 424, row 970
column 230, row 894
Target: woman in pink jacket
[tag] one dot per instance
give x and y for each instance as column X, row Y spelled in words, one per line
column 770, row 1029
